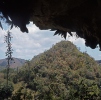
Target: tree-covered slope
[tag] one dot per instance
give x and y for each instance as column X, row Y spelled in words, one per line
column 64, row 57
column 59, row 72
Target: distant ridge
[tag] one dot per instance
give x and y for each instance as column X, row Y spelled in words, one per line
column 98, row 61
column 17, row 62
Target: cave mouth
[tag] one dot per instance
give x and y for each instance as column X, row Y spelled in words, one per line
column 80, row 16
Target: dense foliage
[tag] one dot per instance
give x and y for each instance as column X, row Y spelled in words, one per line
column 61, row 73
column 5, row 91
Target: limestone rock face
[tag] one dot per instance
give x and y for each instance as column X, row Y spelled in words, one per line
column 80, row 16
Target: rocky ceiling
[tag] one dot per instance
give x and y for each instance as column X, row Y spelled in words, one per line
column 80, row 16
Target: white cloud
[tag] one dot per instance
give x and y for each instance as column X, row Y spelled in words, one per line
column 74, row 39
column 18, row 50
column 27, row 45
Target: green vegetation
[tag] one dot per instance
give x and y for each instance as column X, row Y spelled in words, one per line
column 61, row 73
column 5, row 91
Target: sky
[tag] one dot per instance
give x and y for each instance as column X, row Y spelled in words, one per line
column 28, row 45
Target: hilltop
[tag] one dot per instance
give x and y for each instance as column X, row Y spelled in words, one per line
column 64, row 57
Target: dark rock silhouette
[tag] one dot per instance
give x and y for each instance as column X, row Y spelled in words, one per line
column 81, row 16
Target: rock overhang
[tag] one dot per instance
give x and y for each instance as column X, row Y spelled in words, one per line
column 80, row 16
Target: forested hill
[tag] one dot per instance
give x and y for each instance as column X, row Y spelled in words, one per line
column 64, row 54
column 58, row 70
column 60, row 73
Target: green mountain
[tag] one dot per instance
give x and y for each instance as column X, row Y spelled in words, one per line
column 64, row 57
column 60, row 73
